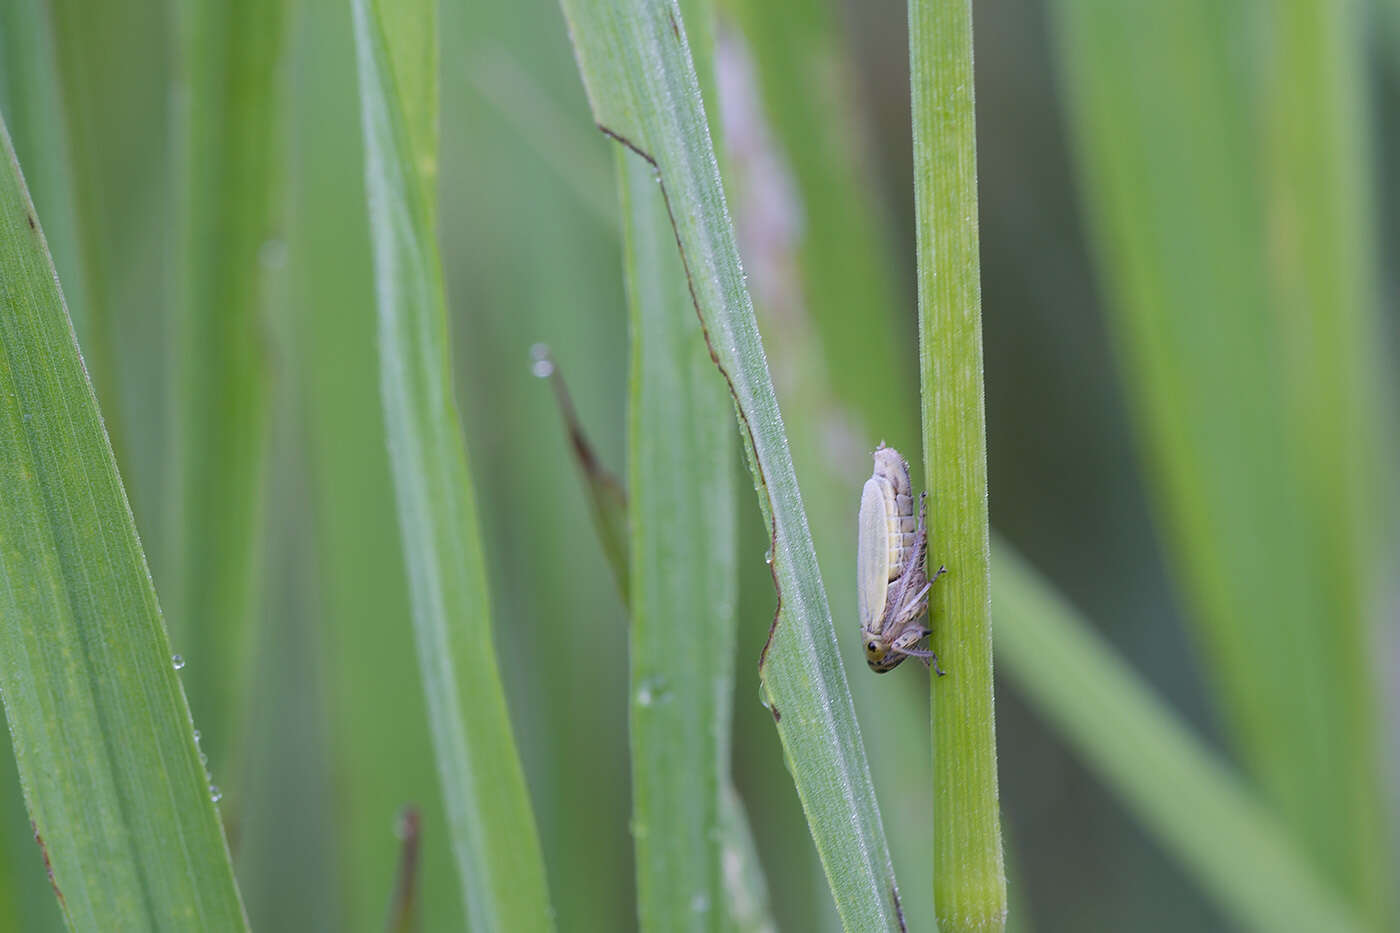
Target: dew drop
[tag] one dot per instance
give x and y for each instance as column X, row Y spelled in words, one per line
column 543, row 365
column 653, row 690
column 197, row 736
column 768, row 556
column 215, row 794
column 177, row 661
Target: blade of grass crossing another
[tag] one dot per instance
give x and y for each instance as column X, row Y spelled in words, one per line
column 500, row 866
column 969, row 883
column 642, row 86
column 107, row 756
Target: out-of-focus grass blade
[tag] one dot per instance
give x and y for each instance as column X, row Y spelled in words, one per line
column 1321, row 228
column 637, row 70
column 380, row 740
column 1198, row 809
column 102, row 734
column 488, row 808
column 80, row 35
column 1244, row 310
column 228, row 164
column 969, row 882
column 684, row 588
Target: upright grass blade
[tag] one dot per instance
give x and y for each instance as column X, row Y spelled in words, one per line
column 108, row 761
column 379, row 730
column 683, row 576
column 1243, row 306
column 488, row 808
column 1192, row 802
column 637, row 70
column 1323, row 278
column 229, row 148
column 684, row 587
column 82, row 39
column 969, row 884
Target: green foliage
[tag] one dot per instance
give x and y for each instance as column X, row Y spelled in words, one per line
column 201, row 175
column 499, row 865
column 644, row 92
column 1242, row 301
column 969, row 882
column 120, row 802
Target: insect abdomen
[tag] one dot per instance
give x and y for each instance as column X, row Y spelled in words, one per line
column 891, row 469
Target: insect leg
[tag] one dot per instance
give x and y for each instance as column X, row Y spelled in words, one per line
column 923, row 654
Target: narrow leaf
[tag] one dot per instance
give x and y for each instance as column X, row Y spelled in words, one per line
column 500, row 867
column 107, row 757
column 229, row 169
column 969, row 883
column 684, row 584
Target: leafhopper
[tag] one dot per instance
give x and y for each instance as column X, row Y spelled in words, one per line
column 892, row 580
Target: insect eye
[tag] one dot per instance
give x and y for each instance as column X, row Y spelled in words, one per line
column 871, row 647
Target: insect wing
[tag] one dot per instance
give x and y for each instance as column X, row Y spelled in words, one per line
column 872, row 554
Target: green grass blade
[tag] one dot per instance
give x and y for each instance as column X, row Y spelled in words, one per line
column 1322, row 278
column 500, row 868
column 637, row 71
column 683, row 577
column 1191, row 802
column 969, row 883
column 1243, row 308
column 83, row 50
column 230, row 167
column 380, row 740
column 102, row 734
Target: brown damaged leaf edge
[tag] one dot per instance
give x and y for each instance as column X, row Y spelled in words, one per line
column 43, row 848
column 898, row 909
column 738, row 406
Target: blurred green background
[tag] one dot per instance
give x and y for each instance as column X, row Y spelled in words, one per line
column 334, row 740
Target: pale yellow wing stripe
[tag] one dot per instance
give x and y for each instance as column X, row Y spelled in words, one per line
column 874, row 557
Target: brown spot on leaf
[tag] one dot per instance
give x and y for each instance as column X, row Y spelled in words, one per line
column 43, row 849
